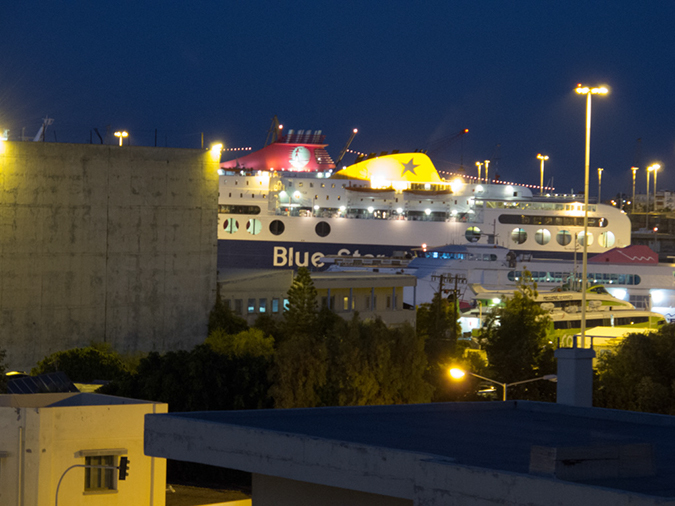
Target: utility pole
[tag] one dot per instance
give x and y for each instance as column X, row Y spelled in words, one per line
column 453, row 279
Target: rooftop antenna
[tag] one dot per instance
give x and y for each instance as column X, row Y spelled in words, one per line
column 40, row 136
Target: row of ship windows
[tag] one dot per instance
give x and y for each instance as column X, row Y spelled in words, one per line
column 543, row 236
column 608, row 278
column 565, row 221
column 560, row 221
column 277, row 227
column 472, row 234
column 600, row 322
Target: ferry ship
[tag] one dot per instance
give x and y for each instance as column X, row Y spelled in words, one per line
column 287, row 206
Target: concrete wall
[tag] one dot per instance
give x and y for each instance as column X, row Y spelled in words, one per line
column 273, row 491
column 40, row 443
column 107, row 244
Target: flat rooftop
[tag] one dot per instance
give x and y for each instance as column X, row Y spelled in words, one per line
column 490, row 435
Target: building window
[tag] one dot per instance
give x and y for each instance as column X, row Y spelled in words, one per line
column 238, row 306
column 250, row 306
column 388, row 302
column 96, row 479
column 275, row 305
column 262, row 305
column 285, row 304
column 368, row 302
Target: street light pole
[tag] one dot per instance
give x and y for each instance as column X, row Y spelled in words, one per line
column 632, row 202
column 487, row 178
column 585, row 90
column 600, row 185
column 479, row 165
column 457, row 373
column 656, row 168
column 649, row 170
column 543, row 158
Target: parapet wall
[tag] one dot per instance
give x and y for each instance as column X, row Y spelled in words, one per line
column 104, row 244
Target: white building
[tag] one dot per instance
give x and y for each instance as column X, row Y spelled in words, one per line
column 43, row 435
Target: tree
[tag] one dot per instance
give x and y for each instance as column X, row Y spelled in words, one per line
column 302, row 312
column 299, row 371
column 83, row 365
column 198, row 380
column 248, row 343
column 435, row 322
column 639, row 375
column 516, row 343
column 223, row 318
column 374, row 364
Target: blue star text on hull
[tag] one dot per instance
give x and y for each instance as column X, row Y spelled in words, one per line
column 409, row 167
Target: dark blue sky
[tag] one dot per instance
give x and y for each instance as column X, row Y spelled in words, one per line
column 405, row 73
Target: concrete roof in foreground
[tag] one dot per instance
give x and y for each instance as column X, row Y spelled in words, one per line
column 489, row 435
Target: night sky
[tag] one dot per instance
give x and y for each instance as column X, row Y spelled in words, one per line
column 406, row 74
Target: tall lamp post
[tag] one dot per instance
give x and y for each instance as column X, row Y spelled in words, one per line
column 649, row 171
column 487, row 164
column 479, row 165
column 600, row 185
column 589, row 92
column 122, row 135
column 543, row 158
column 655, row 168
column 632, row 202
column 457, row 373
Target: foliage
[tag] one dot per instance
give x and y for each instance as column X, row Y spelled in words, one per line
column 516, row 343
column 375, row 364
column 83, row 365
column 639, row 375
column 198, row 380
column 249, row 343
column 435, row 323
column 223, row 318
column 302, row 312
column 299, row 371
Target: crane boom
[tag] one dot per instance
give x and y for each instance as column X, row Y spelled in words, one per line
column 344, row 150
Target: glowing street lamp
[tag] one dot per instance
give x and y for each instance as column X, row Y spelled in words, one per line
column 457, row 374
column 479, row 165
column 589, row 92
column 543, row 158
column 122, row 135
column 599, row 184
column 487, row 164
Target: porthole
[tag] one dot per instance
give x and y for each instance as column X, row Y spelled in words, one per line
column 231, row 225
column 564, row 237
column 607, row 240
column 542, row 236
column 253, row 226
column 580, row 238
column 322, row 229
column 472, row 234
column 277, row 227
column 518, row 235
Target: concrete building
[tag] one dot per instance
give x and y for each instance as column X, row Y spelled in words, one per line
column 250, row 293
column 43, row 435
column 479, row 454
column 107, row 244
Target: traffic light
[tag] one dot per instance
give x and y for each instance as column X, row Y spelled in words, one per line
column 124, row 468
